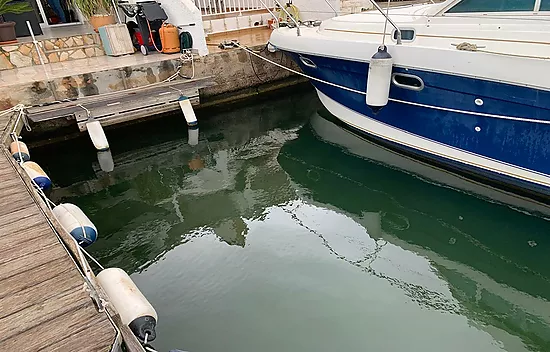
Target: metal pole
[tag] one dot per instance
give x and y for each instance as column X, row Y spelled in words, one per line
column 37, row 47
column 116, row 11
column 292, row 18
column 332, row 7
column 389, row 20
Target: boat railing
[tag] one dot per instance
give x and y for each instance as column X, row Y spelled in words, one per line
column 291, row 18
column 270, row 12
column 332, row 7
column 385, row 14
column 388, row 18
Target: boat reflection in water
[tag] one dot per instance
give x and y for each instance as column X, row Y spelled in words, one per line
column 320, row 231
column 491, row 255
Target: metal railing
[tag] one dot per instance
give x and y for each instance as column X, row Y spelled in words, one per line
column 388, row 18
column 216, row 7
column 282, row 7
column 219, row 7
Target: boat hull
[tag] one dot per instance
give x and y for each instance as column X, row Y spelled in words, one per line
column 505, row 139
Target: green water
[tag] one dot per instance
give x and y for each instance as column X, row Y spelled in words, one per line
column 269, row 235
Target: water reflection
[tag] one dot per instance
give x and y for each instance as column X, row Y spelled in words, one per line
column 325, row 233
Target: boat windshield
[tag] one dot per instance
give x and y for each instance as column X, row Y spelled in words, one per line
column 470, row 6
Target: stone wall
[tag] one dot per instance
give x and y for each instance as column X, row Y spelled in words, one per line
column 52, row 50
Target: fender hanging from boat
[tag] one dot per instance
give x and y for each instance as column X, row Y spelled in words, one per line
column 379, row 79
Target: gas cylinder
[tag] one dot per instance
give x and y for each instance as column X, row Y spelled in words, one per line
column 169, row 38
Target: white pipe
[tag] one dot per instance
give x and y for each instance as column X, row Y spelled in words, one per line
column 116, row 11
column 35, row 42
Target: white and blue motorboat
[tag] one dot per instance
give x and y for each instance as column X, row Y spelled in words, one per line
column 469, row 84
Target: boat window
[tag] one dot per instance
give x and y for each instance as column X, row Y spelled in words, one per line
column 493, row 6
column 545, row 5
column 406, row 81
column 407, row 35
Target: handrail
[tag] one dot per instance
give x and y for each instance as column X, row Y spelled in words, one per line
column 292, row 18
column 332, row 7
column 271, row 12
column 389, row 20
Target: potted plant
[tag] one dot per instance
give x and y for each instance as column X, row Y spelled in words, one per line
column 7, row 29
column 98, row 12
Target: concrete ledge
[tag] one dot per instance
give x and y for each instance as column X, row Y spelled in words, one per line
column 232, row 70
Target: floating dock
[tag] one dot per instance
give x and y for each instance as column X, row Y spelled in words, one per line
column 44, row 304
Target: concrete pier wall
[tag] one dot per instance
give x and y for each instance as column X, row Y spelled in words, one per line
column 232, row 70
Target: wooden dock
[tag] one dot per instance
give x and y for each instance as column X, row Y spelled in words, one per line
column 43, row 302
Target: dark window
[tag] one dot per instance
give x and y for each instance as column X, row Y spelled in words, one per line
column 493, row 6
column 406, row 34
column 545, row 5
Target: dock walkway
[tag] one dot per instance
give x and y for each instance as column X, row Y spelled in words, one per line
column 43, row 303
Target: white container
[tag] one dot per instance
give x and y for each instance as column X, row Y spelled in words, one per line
column 116, row 39
column 379, row 78
column 133, row 308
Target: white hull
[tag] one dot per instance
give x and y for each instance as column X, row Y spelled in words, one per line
column 408, row 140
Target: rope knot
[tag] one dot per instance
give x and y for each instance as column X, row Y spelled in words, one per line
column 465, row 46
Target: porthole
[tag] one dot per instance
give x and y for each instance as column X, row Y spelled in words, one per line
column 407, row 35
column 406, row 81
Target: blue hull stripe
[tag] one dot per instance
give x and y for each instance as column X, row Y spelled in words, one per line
column 522, row 144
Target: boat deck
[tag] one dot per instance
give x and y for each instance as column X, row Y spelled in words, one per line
column 43, row 303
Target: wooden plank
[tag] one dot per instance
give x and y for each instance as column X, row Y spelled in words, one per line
column 12, row 183
column 140, row 113
column 63, row 332
column 31, row 261
column 23, row 280
column 36, row 294
column 13, row 202
column 38, row 114
column 95, row 336
column 6, row 168
column 23, row 236
column 64, row 301
column 20, row 220
column 27, row 248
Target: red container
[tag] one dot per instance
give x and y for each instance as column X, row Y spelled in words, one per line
column 139, row 38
